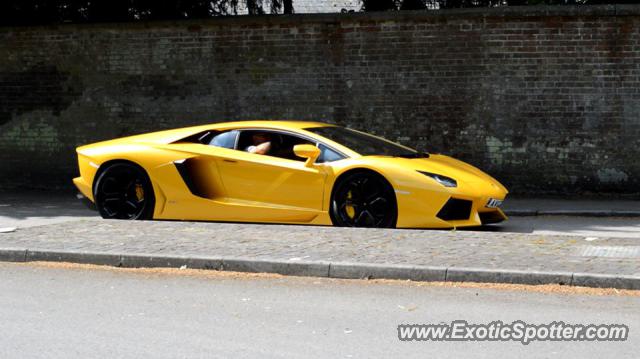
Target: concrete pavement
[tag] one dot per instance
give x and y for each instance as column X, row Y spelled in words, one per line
column 71, row 313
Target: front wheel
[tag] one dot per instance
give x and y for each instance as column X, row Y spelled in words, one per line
column 364, row 199
column 124, row 191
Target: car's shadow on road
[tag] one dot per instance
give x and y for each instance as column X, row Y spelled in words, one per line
column 485, row 228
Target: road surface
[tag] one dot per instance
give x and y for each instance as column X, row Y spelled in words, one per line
column 49, row 311
column 36, row 209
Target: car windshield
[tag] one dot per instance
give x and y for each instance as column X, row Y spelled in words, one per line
column 364, row 144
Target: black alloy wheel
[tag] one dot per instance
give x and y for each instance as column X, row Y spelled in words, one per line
column 364, row 199
column 124, row 191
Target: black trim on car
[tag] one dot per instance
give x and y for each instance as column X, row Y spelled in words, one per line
column 490, row 217
column 185, row 173
column 455, row 209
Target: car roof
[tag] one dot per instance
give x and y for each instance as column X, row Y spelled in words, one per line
column 292, row 125
column 170, row 136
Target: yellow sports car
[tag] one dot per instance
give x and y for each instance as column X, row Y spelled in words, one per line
column 284, row 172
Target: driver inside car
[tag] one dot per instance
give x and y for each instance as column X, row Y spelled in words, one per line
column 261, row 143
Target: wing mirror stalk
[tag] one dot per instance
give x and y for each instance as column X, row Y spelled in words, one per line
column 310, row 152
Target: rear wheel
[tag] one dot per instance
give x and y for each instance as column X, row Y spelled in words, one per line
column 124, row 191
column 364, row 199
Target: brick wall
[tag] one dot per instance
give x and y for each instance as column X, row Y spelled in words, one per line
column 545, row 99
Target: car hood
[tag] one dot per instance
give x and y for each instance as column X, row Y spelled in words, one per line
column 450, row 167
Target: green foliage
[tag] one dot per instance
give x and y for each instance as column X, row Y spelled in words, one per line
column 18, row 12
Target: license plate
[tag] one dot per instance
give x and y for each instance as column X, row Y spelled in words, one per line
column 494, row 203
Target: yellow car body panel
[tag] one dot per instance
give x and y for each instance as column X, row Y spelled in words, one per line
column 235, row 185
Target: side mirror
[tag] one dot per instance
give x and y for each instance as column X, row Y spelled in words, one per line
column 310, row 152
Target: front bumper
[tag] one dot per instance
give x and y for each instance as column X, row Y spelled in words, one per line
column 457, row 212
column 447, row 209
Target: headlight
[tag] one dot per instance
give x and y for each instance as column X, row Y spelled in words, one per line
column 443, row 180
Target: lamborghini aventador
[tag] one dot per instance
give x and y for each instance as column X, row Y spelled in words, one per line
column 284, row 172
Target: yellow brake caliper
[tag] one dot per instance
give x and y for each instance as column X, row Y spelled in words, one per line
column 139, row 192
column 351, row 212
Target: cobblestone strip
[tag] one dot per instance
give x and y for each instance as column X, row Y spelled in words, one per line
column 329, row 252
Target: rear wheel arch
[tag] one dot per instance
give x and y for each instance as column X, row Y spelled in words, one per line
column 133, row 169
column 103, row 167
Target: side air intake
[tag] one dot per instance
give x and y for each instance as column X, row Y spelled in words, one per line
column 455, row 209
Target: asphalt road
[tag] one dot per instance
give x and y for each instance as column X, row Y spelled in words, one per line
column 58, row 312
column 622, row 227
column 35, row 209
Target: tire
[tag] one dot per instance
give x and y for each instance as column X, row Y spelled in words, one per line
column 363, row 199
column 124, row 191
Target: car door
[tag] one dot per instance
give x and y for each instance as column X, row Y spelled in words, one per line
column 276, row 179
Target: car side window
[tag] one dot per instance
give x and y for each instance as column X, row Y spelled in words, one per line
column 328, row 155
column 280, row 144
column 225, row 139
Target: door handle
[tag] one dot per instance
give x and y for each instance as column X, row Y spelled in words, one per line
column 230, row 161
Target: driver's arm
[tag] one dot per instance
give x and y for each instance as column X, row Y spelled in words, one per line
column 261, row 149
